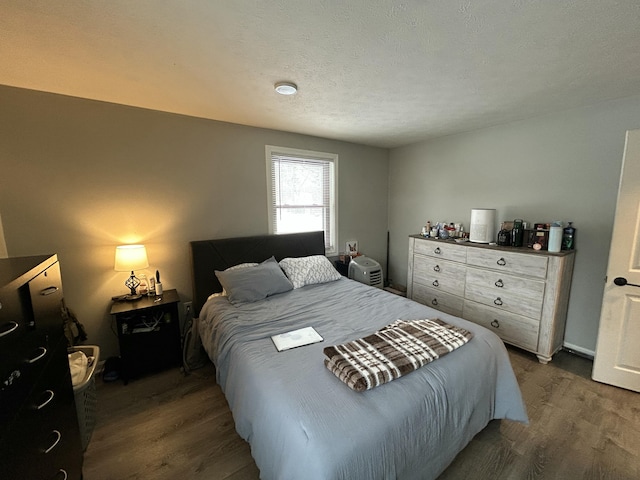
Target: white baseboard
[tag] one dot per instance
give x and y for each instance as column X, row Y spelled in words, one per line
column 581, row 350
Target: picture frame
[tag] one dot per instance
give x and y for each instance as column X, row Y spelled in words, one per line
column 351, row 248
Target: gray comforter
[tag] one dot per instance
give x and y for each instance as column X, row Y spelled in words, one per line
column 303, row 423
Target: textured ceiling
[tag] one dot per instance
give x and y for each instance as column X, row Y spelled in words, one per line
column 376, row 72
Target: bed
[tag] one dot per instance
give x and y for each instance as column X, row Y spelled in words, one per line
column 300, row 420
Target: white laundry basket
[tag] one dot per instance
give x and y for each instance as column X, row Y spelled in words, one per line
column 85, row 394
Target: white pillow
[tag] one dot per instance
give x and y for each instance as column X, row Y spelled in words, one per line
column 241, row 266
column 309, row 270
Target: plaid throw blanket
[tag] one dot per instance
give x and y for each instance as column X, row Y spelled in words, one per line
column 397, row 349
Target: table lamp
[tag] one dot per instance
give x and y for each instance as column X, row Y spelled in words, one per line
column 130, row 258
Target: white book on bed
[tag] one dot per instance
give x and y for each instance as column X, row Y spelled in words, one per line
column 296, row 338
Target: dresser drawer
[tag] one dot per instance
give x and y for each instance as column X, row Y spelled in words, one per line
column 509, row 262
column 56, row 442
column 432, row 297
column 512, row 328
column 13, row 325
column 440, row 274
column 45, row 438
column 39, row 434
column 20, row 367
column 514, row 294
column 46, row 295
column 441, row 249
column 10, row 315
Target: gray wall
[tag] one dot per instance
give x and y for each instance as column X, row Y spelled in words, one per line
column 556, row 167
column 79, row 177
column 3, row 244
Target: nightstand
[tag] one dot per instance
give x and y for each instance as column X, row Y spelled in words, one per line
column 343, row 267
column 148, row 334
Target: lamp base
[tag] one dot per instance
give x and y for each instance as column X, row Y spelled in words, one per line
column 130, row 298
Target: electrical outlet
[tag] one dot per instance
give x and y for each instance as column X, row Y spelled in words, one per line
column 188, row 309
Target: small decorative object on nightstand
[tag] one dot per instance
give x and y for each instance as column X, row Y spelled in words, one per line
column 148, row 334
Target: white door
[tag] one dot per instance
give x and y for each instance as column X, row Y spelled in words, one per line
column 617, row 359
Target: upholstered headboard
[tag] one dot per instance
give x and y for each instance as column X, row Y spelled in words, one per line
column 207, row 256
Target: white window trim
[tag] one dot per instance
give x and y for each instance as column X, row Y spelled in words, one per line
column 332, row 157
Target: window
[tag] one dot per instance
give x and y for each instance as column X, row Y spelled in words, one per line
column 301, row 186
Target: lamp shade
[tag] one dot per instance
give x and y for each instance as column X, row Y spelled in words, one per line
column 131, row 257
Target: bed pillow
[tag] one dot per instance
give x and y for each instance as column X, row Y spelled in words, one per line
column 246, row 285
column 309, row 270
column 240, row 266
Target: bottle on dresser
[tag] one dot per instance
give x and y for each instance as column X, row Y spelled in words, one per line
column 504, row 236
column 569, row 237
column 517, row 233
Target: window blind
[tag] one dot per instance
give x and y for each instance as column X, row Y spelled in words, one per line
column 302, row 195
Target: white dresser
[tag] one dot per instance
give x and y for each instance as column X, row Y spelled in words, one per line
column 519, row 293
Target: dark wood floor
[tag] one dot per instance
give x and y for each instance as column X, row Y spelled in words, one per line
column 168, row 426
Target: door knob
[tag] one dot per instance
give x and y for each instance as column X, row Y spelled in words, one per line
column 621, row 282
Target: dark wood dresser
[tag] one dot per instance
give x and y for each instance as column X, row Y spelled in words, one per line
column 39, row 434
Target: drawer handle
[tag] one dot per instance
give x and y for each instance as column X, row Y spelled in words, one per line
column 498, row 301
column 55, row 442
column 502, row 262
column 47, row 401
column 435, row 283
column 499, row 283
column 43, row 352
column 49, row 290
column 64, row 473
column 434, row 302
column 8, row 328
column 437, row 251
column 436, row 268
column 495, row 323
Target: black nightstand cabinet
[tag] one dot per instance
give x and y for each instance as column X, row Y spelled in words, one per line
column 148, row 334
column 342, row 267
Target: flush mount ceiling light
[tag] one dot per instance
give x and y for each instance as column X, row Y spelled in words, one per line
column 286, row 88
